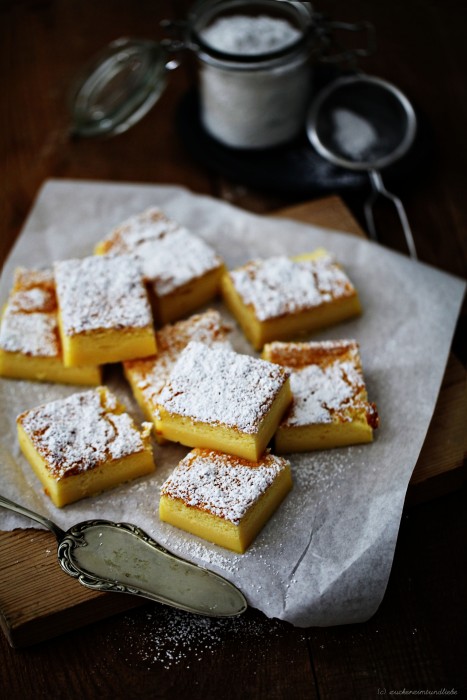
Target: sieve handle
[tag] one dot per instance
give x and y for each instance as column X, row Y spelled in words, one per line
column 378, row 189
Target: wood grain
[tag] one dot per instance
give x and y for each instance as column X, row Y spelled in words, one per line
column 39, row 601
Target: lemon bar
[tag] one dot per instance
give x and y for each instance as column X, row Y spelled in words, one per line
column 84, row 444
column 30, row 345
column 280, row 298
column 330, row 404
column 181, row 270
column 219, row 399
column 104, row 312
column 224, row 499
column 147, row 377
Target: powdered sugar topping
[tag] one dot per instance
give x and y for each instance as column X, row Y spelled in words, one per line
column 35, row 299
column 172, row 261
column 320, row 392
column 81, row 432
column 34, row 334
column 220, row 484
column 100, row 292
column 151, row 374
column 219, row 386
column 29, row 323
column 149, row 225
column 279, row 285
column 326, row 381
column 169, row 254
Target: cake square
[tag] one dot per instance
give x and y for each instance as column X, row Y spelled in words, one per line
column 280, row 298
column 219, row 399
column 224, row 499
column 84, row 444
column 182, row 271
column 30, row 346
column 104, row 312
column 330, row 403
column 147, row 377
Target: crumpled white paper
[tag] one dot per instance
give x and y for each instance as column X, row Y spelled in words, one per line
column 324, row 557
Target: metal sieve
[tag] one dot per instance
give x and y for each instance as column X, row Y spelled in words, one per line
column 363, row 123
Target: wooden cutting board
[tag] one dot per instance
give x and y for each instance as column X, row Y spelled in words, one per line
column 39, row 601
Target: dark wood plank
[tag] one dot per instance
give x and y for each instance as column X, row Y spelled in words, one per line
column 37, row 599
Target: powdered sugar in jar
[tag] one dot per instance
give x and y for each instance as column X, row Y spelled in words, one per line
column 255, row 71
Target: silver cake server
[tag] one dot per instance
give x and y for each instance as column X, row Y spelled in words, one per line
column 122, row 558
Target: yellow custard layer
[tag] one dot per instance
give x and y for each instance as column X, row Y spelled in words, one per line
column 186, row 298
column 106, row 346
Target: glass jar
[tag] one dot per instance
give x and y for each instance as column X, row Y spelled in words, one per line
column 254, row 69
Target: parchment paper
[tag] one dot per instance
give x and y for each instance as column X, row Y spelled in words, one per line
column 325, row 556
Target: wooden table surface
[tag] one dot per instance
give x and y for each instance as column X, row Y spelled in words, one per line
column 417, row 639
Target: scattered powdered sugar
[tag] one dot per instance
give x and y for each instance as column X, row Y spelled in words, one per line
column 163, row 636
column 220, row 484
column 214, row 556
column 323, row 474
column 169, row 254
column 250, row 36
column 355, row 136
column 320, row 392
column 33, row 290
column 278, row 285
column 81, row 432
column 151, row 374
column 29, row 278
column 101, row 292
column 216, row 385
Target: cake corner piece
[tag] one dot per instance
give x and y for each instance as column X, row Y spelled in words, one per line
column 104, row 314
column 330, row 405
column 84, row 444
column 224, row 499
column 281, row 298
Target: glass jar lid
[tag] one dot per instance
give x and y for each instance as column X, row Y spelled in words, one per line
column 118, row 87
